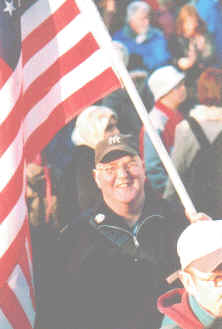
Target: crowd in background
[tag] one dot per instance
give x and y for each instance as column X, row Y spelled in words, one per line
column 148, row 35
column 173, row 52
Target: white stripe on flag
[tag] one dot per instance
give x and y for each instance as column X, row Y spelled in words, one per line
column 31, row 20
column 11, row 87
column 19, row 285
column 69, row 84
column 4, row 324
column 11, row 159
column 11, row 227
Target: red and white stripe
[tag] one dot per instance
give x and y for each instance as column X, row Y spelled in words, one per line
column 62, row 70
column 17, row 308
column 65, row 70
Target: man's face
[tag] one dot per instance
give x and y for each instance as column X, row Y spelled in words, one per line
column 139, row 22
column 121, row 180
column 181, row 92
column 208, row 290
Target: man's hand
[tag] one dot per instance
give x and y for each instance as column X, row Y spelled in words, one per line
column 194, row 217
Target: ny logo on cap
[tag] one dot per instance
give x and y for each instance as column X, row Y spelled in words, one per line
column 114, row 140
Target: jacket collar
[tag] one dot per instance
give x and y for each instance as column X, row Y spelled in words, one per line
column 132, row 35
column 184, row 310
column 109, row 217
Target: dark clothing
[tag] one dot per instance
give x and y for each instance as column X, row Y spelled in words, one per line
column 58, row 153
column 179, row 47
column 113, row 273
column 45, row 264
column 182, row 311
column 78, row 190
column 129, row 121
column 117, row 17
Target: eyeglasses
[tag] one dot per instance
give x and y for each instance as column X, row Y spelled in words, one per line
column 131, row 167
column 211, row 279
column 215, row 281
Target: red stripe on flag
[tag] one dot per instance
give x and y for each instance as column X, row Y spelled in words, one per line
column 49, row 28
column 11, row 193
column 11, row 257
column 10, row 127
column 5, row 72
column 13, row 309
column 62, row 114
column 75, row 56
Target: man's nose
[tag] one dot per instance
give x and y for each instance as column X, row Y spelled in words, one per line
column 122, row 172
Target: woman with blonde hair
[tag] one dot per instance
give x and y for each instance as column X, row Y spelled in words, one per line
column 192, row 48
column 79, row 191
column 194, row 45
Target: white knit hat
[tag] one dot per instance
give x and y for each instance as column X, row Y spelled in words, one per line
column 91, row 124
column 200, row 244
column 163, row 80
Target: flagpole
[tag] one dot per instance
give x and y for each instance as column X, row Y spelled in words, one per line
column 105, row 41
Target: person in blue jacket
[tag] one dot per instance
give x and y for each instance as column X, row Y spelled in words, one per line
column 144, row 42
column 211, row 12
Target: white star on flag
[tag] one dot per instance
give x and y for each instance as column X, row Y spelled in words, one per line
column 9, row 7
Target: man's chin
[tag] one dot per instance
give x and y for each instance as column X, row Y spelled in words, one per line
column 125, row 194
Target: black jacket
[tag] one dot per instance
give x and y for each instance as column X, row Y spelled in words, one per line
column 113, row 275
column 78, row 189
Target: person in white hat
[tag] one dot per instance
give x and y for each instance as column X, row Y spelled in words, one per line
column 199, row 303
column 168, row 89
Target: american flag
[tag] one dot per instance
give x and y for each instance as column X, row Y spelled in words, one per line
column 52, row 66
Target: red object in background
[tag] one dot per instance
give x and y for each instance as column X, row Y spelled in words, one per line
column 153, row 3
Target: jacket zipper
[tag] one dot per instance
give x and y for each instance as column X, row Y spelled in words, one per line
column 135, row 231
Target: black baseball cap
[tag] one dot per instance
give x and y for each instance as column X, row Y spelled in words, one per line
column 114, row 146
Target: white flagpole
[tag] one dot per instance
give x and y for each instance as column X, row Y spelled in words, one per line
column 104, row 40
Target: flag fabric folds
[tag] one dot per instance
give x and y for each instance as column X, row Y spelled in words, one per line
column 52, row 66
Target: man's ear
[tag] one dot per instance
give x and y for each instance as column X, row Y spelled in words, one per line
column 188, row 282
column 144, row 169
column 143, row 164
column 95, row 175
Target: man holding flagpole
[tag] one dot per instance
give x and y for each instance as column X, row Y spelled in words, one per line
column 116, row 257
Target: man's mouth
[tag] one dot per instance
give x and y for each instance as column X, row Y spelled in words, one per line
column 123, row 185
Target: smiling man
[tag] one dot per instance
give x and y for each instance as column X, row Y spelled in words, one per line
column 122, row 250
column 120, row 175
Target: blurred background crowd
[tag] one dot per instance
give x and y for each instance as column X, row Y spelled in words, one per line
column 166, row 45
column 173, row 52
